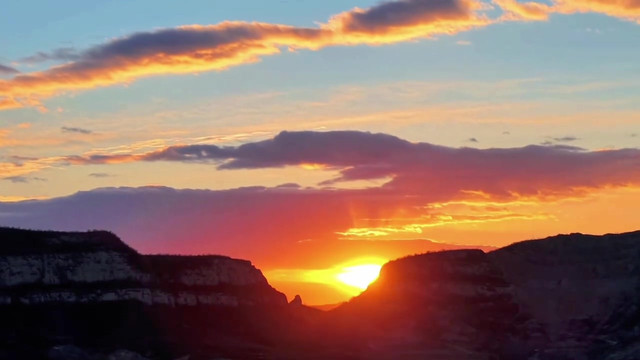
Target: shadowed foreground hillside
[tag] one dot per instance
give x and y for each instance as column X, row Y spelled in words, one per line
column 89, row 296
column 565, row 297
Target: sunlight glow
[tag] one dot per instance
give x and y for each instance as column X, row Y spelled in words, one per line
column 359, row 276
column 349, row 278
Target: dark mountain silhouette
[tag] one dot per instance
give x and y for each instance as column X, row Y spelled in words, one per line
column 565, row 297
column 92, row 291
column 90, row 296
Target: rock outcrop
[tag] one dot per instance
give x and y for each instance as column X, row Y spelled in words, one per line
column 92, row 291
column 297, row 301
column 53, row 267
column 573, row 297
column 583, row 290
column 449, row 305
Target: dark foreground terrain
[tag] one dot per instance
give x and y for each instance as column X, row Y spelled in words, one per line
column 82, row 296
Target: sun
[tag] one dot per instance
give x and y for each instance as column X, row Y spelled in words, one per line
column 359, row 276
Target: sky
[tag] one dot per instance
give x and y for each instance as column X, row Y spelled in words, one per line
column 310, row 136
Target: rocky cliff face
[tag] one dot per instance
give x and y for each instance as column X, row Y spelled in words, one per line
column 566, row 297
column 570, row 297
column 448, row 305
column 93, row 291
column 49, row 267
column 583, row 290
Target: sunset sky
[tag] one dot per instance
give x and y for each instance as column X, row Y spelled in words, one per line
column 311, row 136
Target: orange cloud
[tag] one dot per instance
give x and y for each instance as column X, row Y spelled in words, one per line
column 11, row 199
column 19, row 168
column 534, row 11
column 625, row 9
column 529, row 11
column 396, row 229
column 171, row 51
column 397, row 21
column 197, row 48
column 9, row 103
column 200, row 48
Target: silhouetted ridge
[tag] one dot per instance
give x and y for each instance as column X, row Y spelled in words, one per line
column 567, row 297
column 578, row 288
column 92, row 290
column 438, row 265
column 577, row 244
column 435, row 304
column 22, row 242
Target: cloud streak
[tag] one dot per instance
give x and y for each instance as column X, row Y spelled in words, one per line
column 566, row 139
column 23, row 179
column 77, row 130
column 396, row 21
column 100, row 175
column 624, row 9
column 538, row 11
column 202, row 48
column 524, row 11
column 7, row 70
column 198, row 48
column 60, row 54
column 419, row 169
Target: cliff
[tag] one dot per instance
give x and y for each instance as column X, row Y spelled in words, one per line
column 568, row 297
column 46, row 267
column 449, row 305
column 84, row 295
column 583, row 290
column 92, row 290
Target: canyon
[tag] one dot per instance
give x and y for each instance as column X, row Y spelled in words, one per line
column 66, row 295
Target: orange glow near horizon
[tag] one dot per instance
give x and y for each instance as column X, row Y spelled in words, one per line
column 470, row 222
column 346, row 280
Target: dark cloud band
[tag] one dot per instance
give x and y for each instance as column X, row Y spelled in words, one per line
column 414, row 168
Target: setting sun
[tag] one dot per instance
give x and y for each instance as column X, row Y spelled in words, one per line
column 341, row 281
column 359, row 276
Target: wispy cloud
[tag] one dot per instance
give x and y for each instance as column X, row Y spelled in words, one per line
column 101, row 175
column 23, row 179
column 198, row 48
column 625, row 9
column 540, row 11
column 60, row 54
column 524, row 11
column 7, row 70
column 76, row 130
column 566, row 139
column 18, row 166
column 395, row 21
